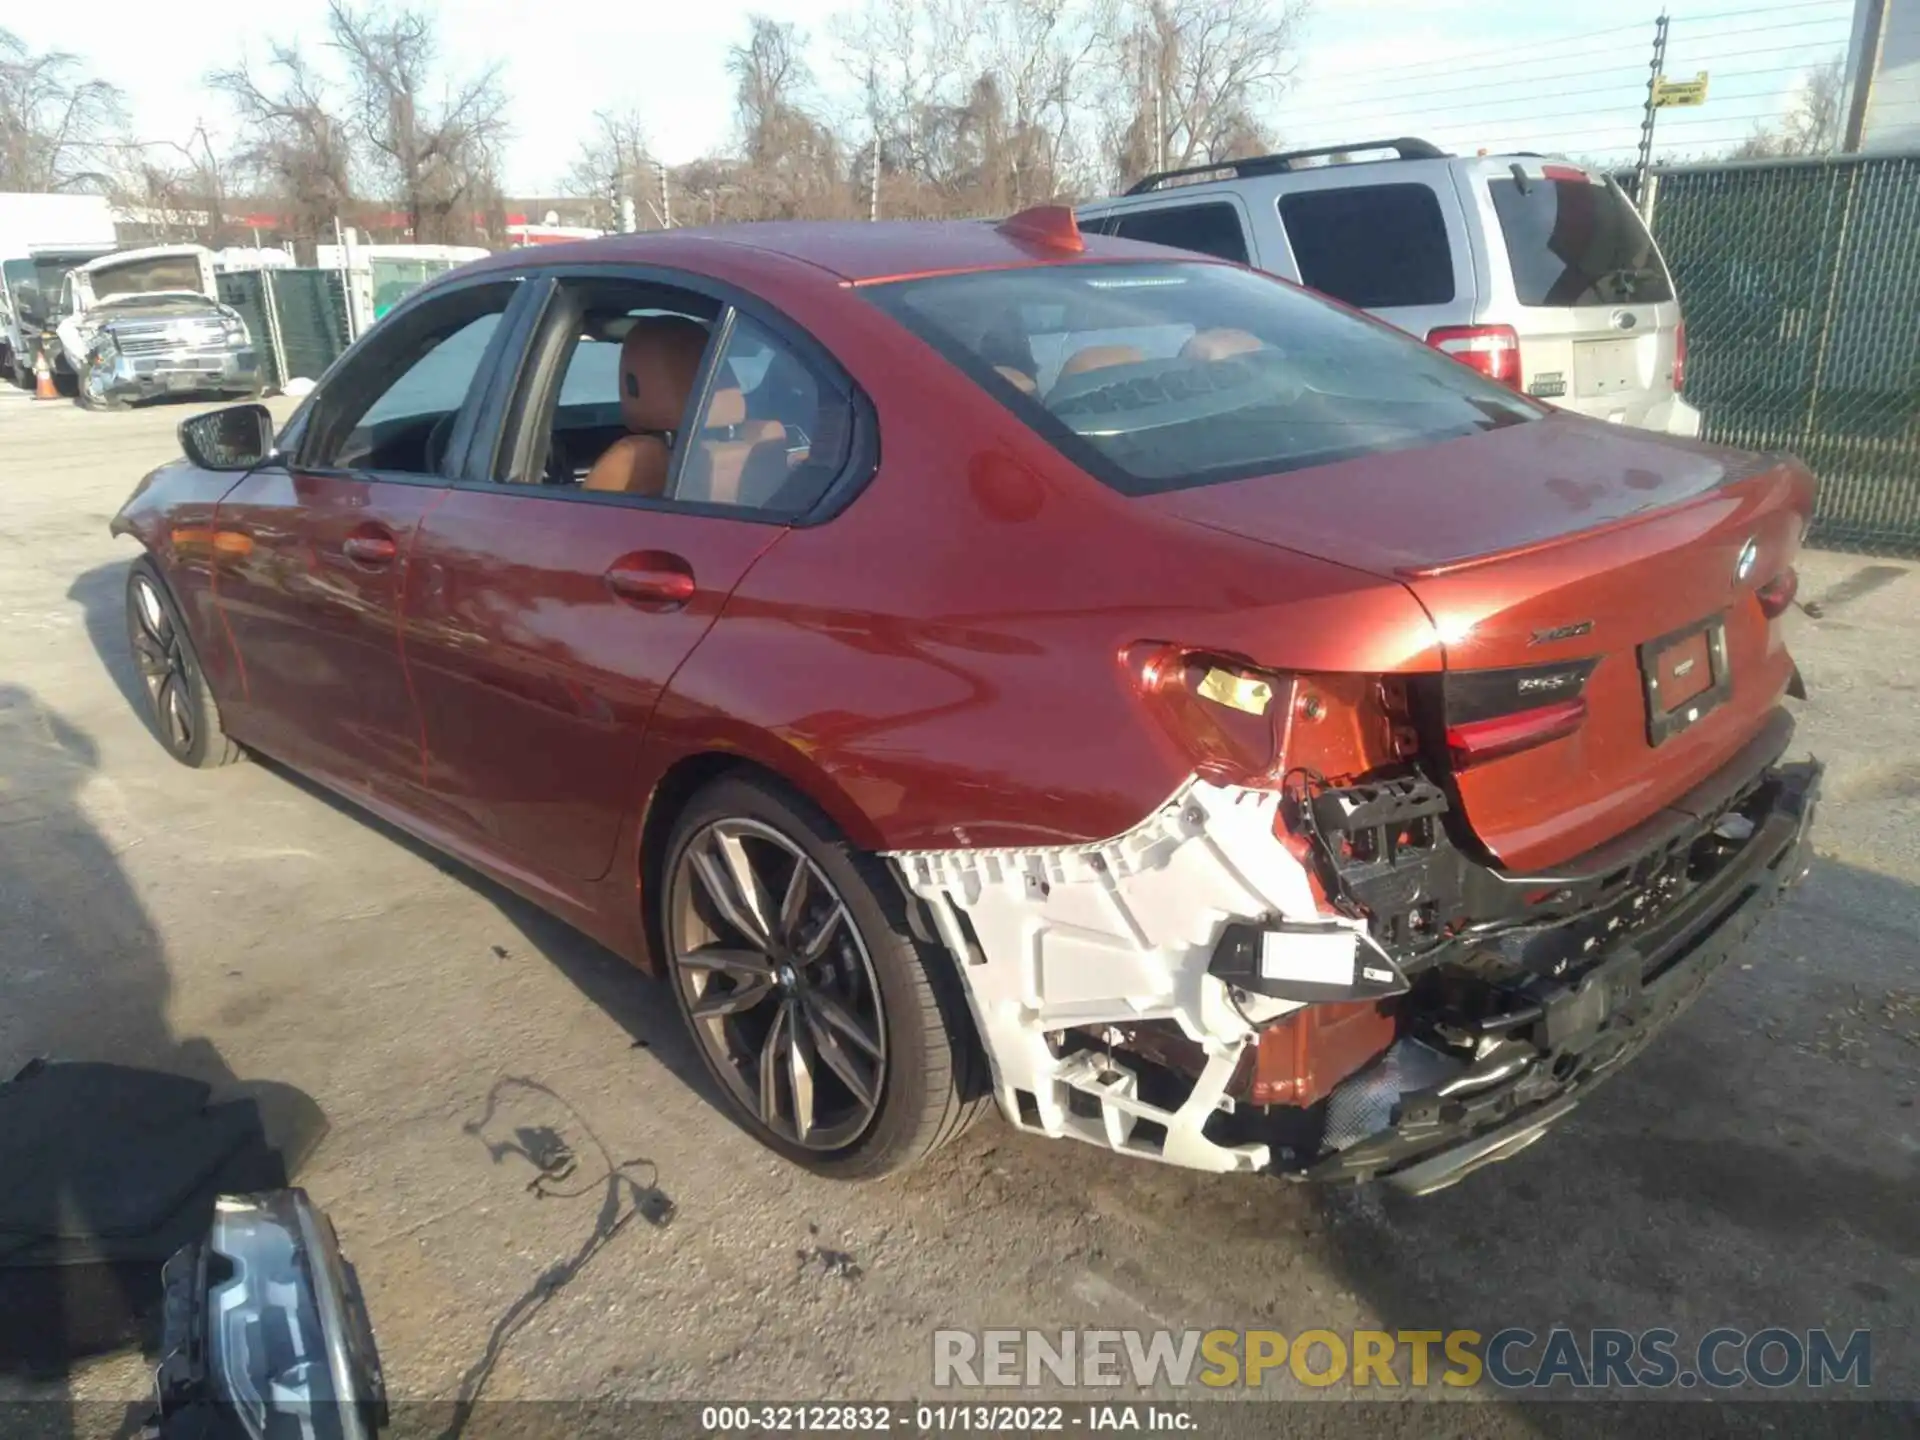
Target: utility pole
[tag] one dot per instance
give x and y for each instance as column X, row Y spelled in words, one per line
column 873, row 196
column 666, row 199
column 1645, row 167
column 1866, row 63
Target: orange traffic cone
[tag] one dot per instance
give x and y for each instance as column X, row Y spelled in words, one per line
column 43, row 388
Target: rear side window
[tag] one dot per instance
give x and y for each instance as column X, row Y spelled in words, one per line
column 1373, row 246
column 1212, row 229
column 1575, row 242
column 1157, row 377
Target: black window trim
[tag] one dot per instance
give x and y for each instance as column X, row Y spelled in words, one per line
column 514, row 391
column 294, row 435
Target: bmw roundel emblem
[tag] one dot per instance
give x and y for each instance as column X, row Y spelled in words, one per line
column 1749, row 557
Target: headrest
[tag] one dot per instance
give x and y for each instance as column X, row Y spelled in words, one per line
column 727, row 408
column 1219, row 344
column 659, row 362
column 1099, row 357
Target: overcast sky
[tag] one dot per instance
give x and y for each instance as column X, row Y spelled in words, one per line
column 1494, row 73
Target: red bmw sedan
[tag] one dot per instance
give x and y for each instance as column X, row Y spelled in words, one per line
column 976, row 660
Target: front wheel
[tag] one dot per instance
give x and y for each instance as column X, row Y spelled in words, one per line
column 180, row 710
column 839, row 1040
column 93, row 393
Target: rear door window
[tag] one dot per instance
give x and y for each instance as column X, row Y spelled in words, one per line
column 1211, row 229
column 1577, row 242
column 1376, row 247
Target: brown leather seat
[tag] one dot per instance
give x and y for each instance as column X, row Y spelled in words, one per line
column 1019, row 379
column 1100, row 357
column 659, row 362
column 735, row 461
column 1219, row 344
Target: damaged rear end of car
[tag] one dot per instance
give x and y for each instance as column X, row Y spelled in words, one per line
column 1398, row 920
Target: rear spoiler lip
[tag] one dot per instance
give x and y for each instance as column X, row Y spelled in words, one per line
column 1731, row 474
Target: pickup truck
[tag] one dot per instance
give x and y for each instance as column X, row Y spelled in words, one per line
column 142, row 323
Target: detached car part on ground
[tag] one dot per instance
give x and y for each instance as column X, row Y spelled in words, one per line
column 1262, row 741
column 145, row 323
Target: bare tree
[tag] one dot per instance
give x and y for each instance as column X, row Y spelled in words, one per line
column 792, row 158
column 55, row 120
column 172, row 190
column 612, row 165
column 1813, row 125
column 437, row 159
column 1192, row 79
column 299, row 152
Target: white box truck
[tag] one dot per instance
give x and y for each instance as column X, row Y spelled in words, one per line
column 42, row 237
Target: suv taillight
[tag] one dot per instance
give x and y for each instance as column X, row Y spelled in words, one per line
column 1679, row 357
column 1493, row 350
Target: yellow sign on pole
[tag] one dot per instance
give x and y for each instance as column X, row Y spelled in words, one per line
column 1669, row 93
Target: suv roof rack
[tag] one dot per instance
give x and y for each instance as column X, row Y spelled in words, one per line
column 1406, row 147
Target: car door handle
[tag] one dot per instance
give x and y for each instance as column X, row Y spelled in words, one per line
column 651, row 580
column 373, row 549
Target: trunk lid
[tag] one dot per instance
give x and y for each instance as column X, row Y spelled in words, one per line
column 1554, row 542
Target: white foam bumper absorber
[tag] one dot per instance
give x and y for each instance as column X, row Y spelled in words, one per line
column 1113, row 933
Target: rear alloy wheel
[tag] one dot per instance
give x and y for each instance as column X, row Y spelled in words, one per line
column 838, row 1041
column 179, row 710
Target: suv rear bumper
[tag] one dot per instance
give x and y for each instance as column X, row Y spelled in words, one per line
column 1590, row 1026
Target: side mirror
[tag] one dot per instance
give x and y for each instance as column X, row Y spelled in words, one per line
column 239, row 437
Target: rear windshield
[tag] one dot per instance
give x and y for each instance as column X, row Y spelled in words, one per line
column 1163, row 376
column 1575, row 242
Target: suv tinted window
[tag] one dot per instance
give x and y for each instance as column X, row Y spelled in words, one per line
column 1576, row 242
column 1212, row 229
column 1373, row 246
column 1157, row 377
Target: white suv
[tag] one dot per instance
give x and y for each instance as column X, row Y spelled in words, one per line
column 1534, row 271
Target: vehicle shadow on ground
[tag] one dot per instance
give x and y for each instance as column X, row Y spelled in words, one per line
column 102, row 595
column 1755, row 1167
column 641, row 1005
column 85, row 978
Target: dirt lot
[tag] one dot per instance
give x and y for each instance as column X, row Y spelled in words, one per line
column 1759, row 1166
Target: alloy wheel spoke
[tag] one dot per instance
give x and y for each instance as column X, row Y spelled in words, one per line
column 799, row 1074
column 828, row 1045
column 153, row 615
column 713, row 1004
column 842, row 1022
column 173, row 712
column 772, row 1052
column 149, row 654
column 744, row 966
column 719, row 877
column 812, row 946
column 793, row 905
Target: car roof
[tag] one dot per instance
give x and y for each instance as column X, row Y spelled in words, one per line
column 1362, row 172
column 854, row 252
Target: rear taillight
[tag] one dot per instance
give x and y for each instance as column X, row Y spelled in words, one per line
column 1777, row 594
column 1679, row 357
column 1493, row 350
column 1473, row 741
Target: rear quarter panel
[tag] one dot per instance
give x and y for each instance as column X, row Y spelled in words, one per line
column 941, row 664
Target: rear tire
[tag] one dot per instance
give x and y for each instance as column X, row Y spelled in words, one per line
column 179, row 710
column 827, row 995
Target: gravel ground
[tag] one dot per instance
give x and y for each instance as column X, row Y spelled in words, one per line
column 1759, row 1166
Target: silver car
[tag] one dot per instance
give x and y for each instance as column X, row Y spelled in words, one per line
column 1533, row 270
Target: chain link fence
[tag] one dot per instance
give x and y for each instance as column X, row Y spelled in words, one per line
column 298, row 318
column 1801, row 286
